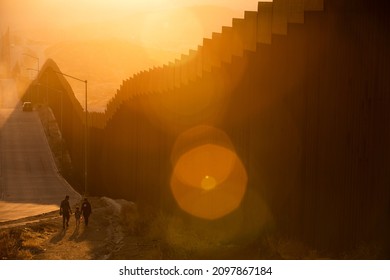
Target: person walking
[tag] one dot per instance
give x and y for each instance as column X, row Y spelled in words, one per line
column 65, row 211
column 86, row 210
column 77, row 215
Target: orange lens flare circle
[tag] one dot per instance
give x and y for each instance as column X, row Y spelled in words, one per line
column 204, row 166
column 208, row 181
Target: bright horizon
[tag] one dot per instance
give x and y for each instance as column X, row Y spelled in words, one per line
column 23, row 15
column 109, row 41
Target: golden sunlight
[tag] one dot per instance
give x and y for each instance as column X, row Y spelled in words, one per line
column 172, row 30
column 108, row 42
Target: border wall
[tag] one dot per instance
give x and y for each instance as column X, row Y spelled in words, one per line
column 301, row 89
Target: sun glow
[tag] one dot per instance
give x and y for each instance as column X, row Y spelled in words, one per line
column 172, row 30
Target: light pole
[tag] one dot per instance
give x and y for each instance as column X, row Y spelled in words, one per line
column 86, row 130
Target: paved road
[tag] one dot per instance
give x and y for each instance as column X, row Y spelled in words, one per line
column 29, row 181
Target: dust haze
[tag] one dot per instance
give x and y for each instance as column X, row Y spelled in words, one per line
column 107, row 42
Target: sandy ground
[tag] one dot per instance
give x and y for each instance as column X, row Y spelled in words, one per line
column 81, row 242
column 109, row 235
column 116, row 231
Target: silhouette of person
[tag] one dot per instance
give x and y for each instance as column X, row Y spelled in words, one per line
column 86, row 210
column 77, row 215
column 65, row 211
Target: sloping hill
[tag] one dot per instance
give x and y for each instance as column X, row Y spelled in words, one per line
column 104, row 63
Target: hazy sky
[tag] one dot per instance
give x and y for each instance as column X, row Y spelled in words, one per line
column 89, row 38
column 38, row 13
column 148, row 22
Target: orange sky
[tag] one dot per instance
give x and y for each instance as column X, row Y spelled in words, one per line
column 22, row 14
column 20, row 10
column 70, row 30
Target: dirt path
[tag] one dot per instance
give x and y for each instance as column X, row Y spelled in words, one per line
column 81, row 243
column 118, row 232
column 109, row 235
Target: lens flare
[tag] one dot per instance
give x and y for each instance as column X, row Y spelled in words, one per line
column 208, row 180
column 208, row 183
column 205, row 165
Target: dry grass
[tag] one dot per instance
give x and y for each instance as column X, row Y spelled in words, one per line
column 273, row 247
column 18, row 244
column 179, row 240
column 130, row 219
column 150, row 235
column 366, row 252
column 23, row 242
